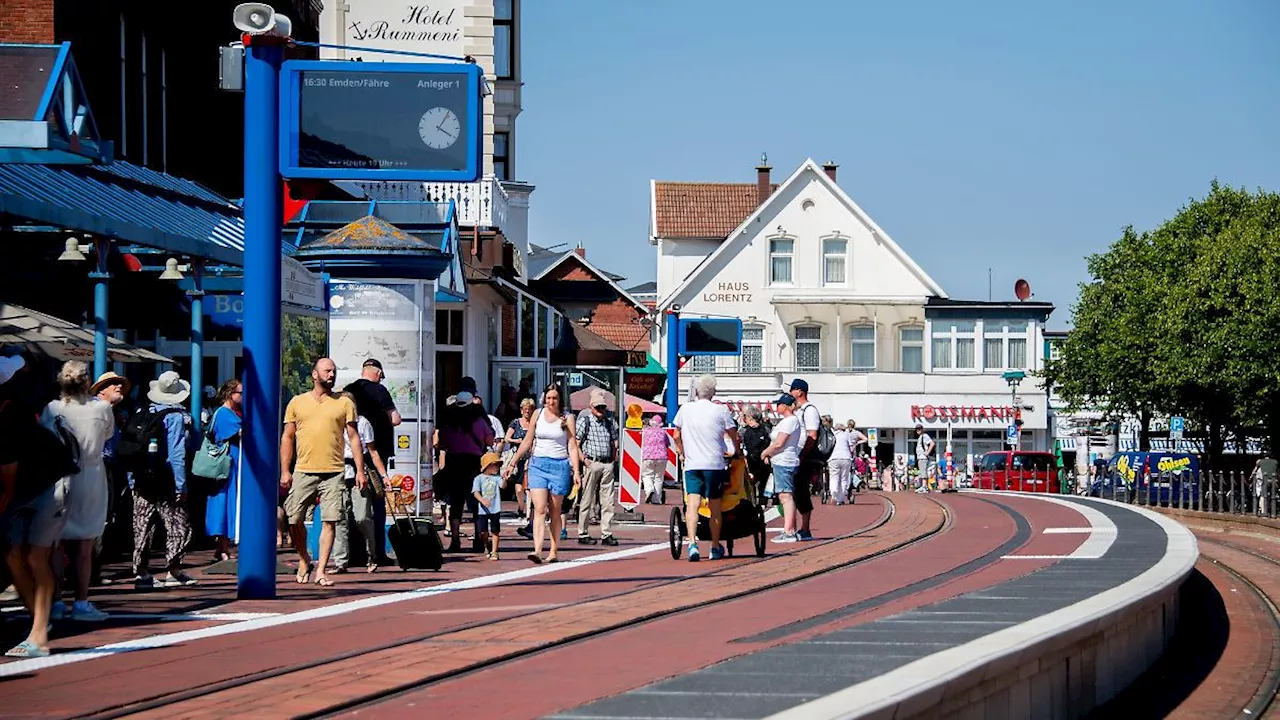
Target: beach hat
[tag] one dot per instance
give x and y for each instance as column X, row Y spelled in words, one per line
column 463, row 398
column 597, row 398
column 10, row 366
column 110, row 378
column 169, row 389
column 490, row 458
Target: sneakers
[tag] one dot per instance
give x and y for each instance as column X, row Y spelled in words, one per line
column 58, row 611
column 526, row 532
column 694, row 556
column 178, row 579
column 785, row 537
column 86, row 612
column 144, row 580
column 804, row 536
column 586, row 540
column 609, row 540
column 564, row 534
column 717, row 552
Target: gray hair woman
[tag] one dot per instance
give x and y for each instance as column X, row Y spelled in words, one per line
column 92, row 423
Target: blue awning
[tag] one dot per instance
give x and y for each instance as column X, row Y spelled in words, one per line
column 126, row 202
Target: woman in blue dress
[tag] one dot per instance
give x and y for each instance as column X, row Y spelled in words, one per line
column 224, row 426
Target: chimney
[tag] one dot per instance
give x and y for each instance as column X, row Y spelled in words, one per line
column 764, row 188
column 829, row 168
column 580, row 252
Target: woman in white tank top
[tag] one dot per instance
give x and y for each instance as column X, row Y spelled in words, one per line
column 553, row 468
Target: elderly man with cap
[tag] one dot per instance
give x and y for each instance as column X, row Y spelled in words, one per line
column 374, row 403
column 597, row 435
column 159, row 478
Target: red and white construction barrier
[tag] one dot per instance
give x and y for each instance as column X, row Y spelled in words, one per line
column 630, row 491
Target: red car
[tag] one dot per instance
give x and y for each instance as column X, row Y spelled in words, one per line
column 1019, row 471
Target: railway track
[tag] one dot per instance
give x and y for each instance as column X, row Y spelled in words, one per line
column 161, row 700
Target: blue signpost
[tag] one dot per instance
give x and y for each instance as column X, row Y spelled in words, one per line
column 696, row 336
column 342, row 121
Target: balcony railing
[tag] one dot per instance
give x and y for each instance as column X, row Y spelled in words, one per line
column 480, row 204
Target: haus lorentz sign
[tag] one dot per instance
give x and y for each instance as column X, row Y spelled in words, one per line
column 951, row 413
column 728, row 292
column 431, row 26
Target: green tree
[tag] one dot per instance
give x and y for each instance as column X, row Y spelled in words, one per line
column 1106, row 361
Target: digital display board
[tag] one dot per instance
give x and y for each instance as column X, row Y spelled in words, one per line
column 380, row 121
column 710, row 336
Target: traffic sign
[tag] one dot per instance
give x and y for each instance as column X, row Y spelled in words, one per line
column 1176, row 426
column 873, row 436
column 1011, row 435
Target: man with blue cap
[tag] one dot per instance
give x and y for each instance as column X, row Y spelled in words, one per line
column 810, row 462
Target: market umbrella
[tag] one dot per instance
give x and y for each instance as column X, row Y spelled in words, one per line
column 578, row 401
column 61, row 339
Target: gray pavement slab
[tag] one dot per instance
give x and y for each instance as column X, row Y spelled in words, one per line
column 761, row 683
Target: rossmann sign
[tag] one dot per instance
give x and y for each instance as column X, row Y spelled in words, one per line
column 957, row 413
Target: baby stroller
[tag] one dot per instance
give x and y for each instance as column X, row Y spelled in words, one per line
column 742, row 515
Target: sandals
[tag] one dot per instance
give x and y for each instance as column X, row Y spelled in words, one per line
column 304, row 576
column 324, row 581
column 534, row 558
column 371, row 568
column 27, row 649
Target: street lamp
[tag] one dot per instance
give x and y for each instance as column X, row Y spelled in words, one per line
column 1014, row 378
column 74, row 251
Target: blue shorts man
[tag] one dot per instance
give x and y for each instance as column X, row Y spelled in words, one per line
column 701, row 430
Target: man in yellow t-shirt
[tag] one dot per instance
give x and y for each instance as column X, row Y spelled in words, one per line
column 314, row 425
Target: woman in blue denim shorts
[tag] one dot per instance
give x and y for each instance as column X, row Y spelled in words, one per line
column 553, row 468
column 783, row 455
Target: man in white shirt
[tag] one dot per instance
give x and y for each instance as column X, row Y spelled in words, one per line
column 926, row 457
column 701, row 427
column 840, row 464
column 810, row 467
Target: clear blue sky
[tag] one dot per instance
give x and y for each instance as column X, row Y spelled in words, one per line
column 1015, row 135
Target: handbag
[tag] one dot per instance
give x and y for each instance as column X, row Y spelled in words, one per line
column 212, row 461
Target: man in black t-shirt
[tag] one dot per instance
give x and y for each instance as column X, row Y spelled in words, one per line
column 374, row 402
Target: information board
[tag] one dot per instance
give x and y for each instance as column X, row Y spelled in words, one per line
column 380, row 121
column 710, row 336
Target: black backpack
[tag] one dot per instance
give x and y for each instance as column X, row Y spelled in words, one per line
column 133, row 449
column 48, row 456
column 826, row 439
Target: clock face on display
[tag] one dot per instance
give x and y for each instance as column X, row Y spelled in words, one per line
column 439, row 128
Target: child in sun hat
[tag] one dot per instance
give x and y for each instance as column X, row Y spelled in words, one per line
column 486, row 488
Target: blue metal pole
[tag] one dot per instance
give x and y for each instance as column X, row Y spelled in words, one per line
column 672, row 395
column 197, row 339
column 100, row 277
column 256, row 569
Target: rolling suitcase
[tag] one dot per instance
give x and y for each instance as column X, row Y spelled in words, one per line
column 415, row 542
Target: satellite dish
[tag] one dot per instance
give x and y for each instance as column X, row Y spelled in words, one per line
column 1022, row 289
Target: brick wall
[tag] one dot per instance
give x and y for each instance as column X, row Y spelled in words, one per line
column 26, row 21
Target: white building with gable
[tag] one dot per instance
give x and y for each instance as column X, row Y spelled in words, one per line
column 826, row 294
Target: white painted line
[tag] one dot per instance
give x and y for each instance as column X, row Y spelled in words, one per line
column 932, row 673
column 19, row 613
column 489, row 609
column 1102, row 532
column 1072, row 530
column 169, row 639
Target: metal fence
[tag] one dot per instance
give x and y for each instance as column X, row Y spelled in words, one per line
column 1225, row 492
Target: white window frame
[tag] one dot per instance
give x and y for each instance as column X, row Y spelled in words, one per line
column 702, row 364
column 752, row 343
column 946, row 329
column 1004, row 335
column 875, row 346
column 902, row 366
column 796, row 342
column 789, row 255
column 844, row 258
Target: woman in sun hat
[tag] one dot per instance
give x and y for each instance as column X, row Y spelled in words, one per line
column 162, row 494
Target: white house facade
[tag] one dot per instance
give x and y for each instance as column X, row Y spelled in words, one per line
column 825, row 294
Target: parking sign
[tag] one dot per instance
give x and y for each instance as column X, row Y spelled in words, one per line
column 873, row 436
column 1176, row 426
column 1011, row 435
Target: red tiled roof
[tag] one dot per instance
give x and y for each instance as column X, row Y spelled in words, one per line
column 702, row 210
column 628, row 336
